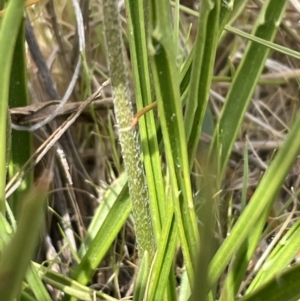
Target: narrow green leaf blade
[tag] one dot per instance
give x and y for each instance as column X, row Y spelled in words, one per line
column 9, row 29
column 263, row 197
column 141, row 282
column 17, row 254
column 201, row 74
column 245, row 81
column 108, row 231
column 284, row 287
column 282, row 255
column 166, row 78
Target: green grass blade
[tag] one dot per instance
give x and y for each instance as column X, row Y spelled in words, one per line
column 97, row 248
column 17, row 254
column 263, row 197
column 225, row 16
column 282, row 255
column 10, row 26
column 245, row 80
column 164, row 257
column 116, row 193
column 228, row 16
column 32, row 277
column 6, row 232
column 207, row 224
column 284, row 287
column 166, row 79
column 264, row 42
column 69, row 286
column 227, row 139
column 201, row 73
column 141, row 281
column 36, row 284
column 18, row 97
column 25, row 296
column 245, row 179
column 144, row 96
column 242, row 257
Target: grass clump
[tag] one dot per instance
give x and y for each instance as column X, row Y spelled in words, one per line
column 195, row 134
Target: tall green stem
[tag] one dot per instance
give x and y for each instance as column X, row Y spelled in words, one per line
column 128, row 136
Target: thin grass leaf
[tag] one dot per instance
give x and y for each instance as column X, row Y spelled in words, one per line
column 261, row 201
column 201, row 73
column 207, row 224
column 36, row 284
column 225, row 17
column 99, row 245
column 262, row 41
column 116, row 193
column 245, row 179
column 6, row 232
column 283, row 254
column 25, row 296
column 16, row 256
column 229, row 16
column 166, row 81
column 252, row 59
column 70, row 287
column 9, row 29
column 242, row 257
column 18, row 97
column 240, row 263
column 283, row 287
column 137, row 26
column 137, row 14
column 245, row 80
column 141, row 282
column 164, row 258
